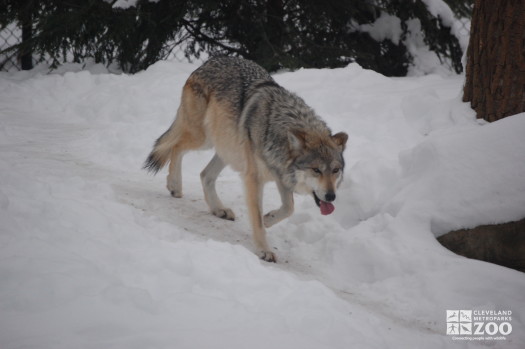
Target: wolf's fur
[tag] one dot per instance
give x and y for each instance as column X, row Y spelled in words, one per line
column 260, row 129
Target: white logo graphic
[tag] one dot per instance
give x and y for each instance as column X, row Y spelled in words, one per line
column 479, row 324
column 465, row 316
column 465, row 328
column 452, row 315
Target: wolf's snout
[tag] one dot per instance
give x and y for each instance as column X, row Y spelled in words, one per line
column 329, row 197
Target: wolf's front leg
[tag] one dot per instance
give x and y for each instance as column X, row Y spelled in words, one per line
column 254, row 190
column 286, row 209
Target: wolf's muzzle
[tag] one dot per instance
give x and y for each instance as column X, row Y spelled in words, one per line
column 329, row 197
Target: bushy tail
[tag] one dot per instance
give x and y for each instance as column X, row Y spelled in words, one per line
column 161, row 152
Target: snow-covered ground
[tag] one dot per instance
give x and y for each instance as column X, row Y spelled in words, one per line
column 94, row 253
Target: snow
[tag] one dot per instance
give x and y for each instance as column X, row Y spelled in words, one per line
column 96, row 254
column 459, row 27
column 439, row 8
column 385, row 27
column 125, row 4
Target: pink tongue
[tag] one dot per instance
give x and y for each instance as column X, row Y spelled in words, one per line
column 326, row 207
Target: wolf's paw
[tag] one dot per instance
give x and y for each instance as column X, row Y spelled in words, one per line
column 270, row 219
column 174, row 190
column 176, row 194
column 224, row 213
column 268, row 256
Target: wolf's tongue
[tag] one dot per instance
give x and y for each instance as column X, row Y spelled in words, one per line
column 326, row 207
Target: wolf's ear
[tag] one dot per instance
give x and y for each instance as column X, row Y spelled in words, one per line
column 297, row 140
column 340, row 139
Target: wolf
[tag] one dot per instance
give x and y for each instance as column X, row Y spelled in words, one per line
column 260, row 129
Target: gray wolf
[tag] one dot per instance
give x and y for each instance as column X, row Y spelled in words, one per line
column 261, row 130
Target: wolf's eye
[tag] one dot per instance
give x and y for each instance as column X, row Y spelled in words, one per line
column 335, row 170
column 316, row 170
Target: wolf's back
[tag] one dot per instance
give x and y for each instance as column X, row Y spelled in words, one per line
column 230, row 79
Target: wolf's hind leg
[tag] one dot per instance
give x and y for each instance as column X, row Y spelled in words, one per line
column 208, row 178
column 188, row 133
column 174, row 179
column 188, row 141
column 286, row 209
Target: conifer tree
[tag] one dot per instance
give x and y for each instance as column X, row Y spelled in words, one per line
column 275, row 33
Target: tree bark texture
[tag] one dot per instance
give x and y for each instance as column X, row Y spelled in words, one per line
column 495, row 72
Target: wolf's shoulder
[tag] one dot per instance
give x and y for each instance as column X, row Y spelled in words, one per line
column 225, row 67
column 230, row 79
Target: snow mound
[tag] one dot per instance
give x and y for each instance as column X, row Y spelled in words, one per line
column 466, row 178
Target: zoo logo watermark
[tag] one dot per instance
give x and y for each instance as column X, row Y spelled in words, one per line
column 479, row 324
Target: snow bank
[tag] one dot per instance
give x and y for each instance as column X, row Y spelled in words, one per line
column 466, row 177
column 95, row 253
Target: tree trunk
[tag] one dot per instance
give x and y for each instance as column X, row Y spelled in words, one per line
column 26, row 22
column 495, row 73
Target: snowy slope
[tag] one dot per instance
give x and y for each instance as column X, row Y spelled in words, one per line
column 94, row 253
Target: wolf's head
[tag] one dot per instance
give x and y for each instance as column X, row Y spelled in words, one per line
column 318, row 164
